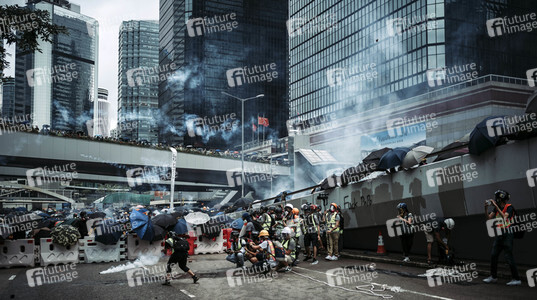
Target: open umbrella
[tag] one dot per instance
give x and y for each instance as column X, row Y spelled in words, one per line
column 65, row 235
column 415, row 156
column 452, row 150
column 393, row 158
column 181, row 227
column 531, row 106
column 374, row 157
column 165, row 221
column 96, row 215
column 237, row 224
column 484, row 137
column 197, row 218
column 243, row 202
column 142, row 225
column 108, row 232
column 214, row 226
column 159, row 233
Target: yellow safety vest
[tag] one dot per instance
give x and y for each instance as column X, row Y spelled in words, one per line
column 332, row 223
column 285, row 245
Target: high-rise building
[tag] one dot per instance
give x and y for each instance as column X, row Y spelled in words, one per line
column 237, row 47
column 382, row 61
column 58, row 86
column 8, row 96
column 103, row 113
column 138, row 80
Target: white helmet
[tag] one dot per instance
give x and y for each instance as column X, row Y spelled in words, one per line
column 289, row 205
column 449, row 223
column 287, row 230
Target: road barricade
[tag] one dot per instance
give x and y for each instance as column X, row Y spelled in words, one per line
column 92, row 251
column 137, row 247
column 17, row 253
column 206, row 246
column 53, row 254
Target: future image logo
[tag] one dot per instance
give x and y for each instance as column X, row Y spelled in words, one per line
column 208, row 25
column 238, row 277
column 531, row 174
column 50, row 275
column 451, row 174
column 532, row 77
column 351, row 275
column 254, row 74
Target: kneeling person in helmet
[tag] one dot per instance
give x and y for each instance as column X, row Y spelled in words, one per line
column 267, row 248
column 289, row 246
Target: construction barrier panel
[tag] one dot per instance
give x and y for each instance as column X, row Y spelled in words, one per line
column 92, row 251
column 53, row 254
column 226, row 232
column 137, row 247
column 17, row 253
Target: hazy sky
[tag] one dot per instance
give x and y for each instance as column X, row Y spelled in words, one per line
column 109, row 14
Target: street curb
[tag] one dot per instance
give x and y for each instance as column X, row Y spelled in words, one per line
column 384, row 259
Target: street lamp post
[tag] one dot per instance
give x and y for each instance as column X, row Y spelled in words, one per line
column 242, row 143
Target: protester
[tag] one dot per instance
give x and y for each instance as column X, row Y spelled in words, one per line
column 505, row 213
column 439, row 230
column 312, row 235
column 179, row 256
column 332, row 232
column 267, row 247
column 289, row 247
column 407, row 238
column 236, row 253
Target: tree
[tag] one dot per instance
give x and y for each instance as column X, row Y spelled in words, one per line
column 26, row 28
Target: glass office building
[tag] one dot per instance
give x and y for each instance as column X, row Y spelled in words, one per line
column 58, row 85
column 8, row 97
column 347, row 57
column 138, row 77
column 206, row 39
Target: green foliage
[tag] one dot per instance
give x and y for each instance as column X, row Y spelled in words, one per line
column 26, row 28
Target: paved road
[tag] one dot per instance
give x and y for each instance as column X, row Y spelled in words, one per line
column 385, row 281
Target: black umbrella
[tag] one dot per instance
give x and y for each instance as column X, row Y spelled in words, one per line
column 374, row 157
column 242, row 202
column 452, row 150
column 393, row 158
column 214, row 226
column 160, row 233
column 96, row 215
column 484, row 136
column 164, row 220
column 109, row 232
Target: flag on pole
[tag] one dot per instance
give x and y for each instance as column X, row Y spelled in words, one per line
column 262, row 121
column 254, row 128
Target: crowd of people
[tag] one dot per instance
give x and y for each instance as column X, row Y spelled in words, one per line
column 159, row 146
column 274, row 236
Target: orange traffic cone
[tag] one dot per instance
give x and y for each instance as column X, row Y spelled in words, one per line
column 380, row 247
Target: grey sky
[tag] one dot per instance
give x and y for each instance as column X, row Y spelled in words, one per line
column 109, row 14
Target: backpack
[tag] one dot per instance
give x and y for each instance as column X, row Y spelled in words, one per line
column 341, row 222
column 180, row 244
column 258, row 227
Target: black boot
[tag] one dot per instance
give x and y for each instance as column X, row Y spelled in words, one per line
column 195, row 278
column 167, row 282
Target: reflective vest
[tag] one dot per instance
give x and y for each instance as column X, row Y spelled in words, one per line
column 271, row 251
column 237, row 244
column 285, row 245
column 332, row 222
column 504, row 223
column 295, row 225
column 267, row 222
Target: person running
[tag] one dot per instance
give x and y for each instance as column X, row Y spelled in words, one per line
column 332, row 232
column 179, row 256
column 407, row 238
column 504, row 212
column 312, row 235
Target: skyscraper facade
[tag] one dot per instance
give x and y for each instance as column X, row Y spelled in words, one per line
column 58, row 86
column 237, row 47
column 138, row 77
column 103, row 107
column 352, row 56
column 8, row 96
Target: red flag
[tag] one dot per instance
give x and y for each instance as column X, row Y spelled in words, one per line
column 262, row 121
column 254, row 128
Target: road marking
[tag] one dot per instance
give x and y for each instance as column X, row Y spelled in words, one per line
column 393, row 288
column 188, row 294
column 12, row 277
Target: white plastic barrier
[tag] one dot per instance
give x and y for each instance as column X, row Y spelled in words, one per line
column 137, row 247
column 52, row 254
column 17, row 253
column 205, row 245
column 92, row 251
